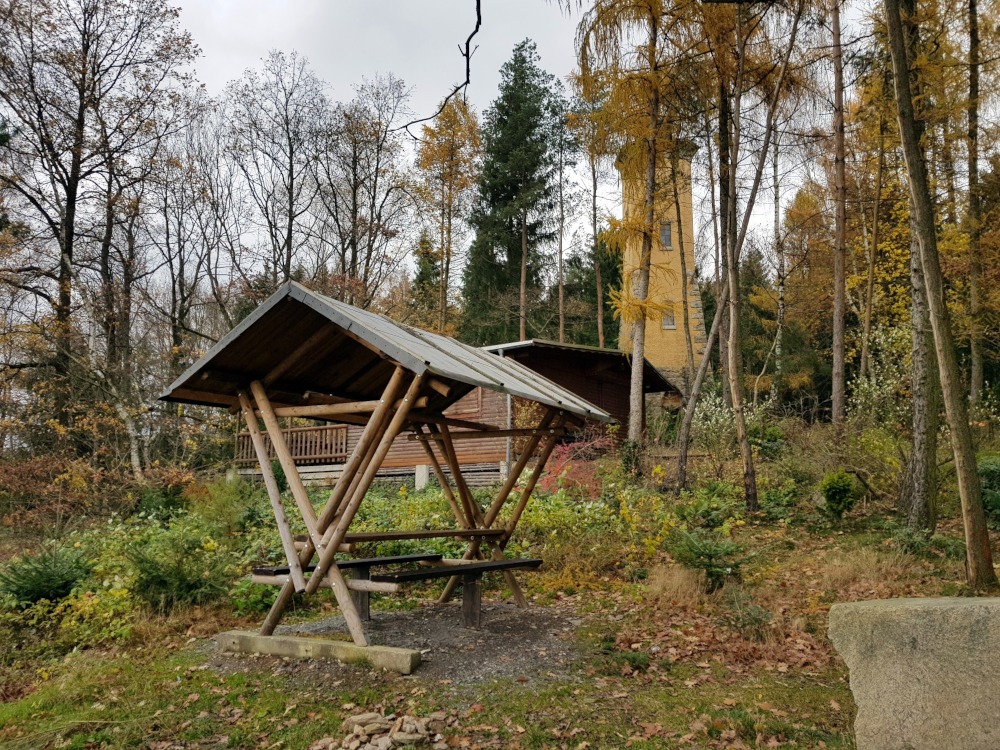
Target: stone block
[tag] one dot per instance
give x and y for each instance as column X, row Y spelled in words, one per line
column 923, row 671
column 402, row 660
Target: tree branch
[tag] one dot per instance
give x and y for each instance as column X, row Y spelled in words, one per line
column 467, row 53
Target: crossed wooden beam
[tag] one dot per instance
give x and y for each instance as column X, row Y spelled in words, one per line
column 327, row 532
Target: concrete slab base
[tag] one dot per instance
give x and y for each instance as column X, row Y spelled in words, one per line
column 402, row 660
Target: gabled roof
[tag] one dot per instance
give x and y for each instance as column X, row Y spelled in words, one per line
column 653, row 381
column 351, row 353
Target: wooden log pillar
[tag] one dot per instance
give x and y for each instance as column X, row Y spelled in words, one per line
column 477, row 519
column 442, row 479
column 285, row 595
column 504, row 493
column 274, row 494
column 285, row 459
column 336, row 580
column 472, row 601
column 398, row 420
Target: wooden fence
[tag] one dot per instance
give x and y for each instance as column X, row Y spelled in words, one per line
column 325, row 444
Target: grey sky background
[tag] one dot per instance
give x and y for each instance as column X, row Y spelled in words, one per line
column 417, row 40
column 347, row 40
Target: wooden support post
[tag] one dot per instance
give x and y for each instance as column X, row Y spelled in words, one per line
column 285, row 458
column 362, row 599
column 440, row 432
column 398, row 420
column 476, row 519
column 518, row 470
column 285, row 595
column 522, row 502
column 373, row 444
column 369, row 436
column 501, row 499
column 274, row 494
column 472, row 601
column 442, row 480
column 322, row 411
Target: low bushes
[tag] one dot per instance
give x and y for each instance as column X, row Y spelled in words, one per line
column 51, row 574
column 989, row 474
column 709, row 551
column 840, row 492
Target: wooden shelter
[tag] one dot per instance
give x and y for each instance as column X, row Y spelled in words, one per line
column 601, row 376
column 301, row 354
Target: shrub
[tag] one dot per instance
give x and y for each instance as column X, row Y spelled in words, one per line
column 777, row 503
column 631, row 457
column 839, row 491
column 713, row 430
column 178, row 567
column 718, row 556
column 989, row 474
column 51, row 575
column 749, row 619
column 165, row 493
column 769, row 440
column 233, row 505
column 911, row 542
column 248, row 598
column 709, row 507
column 279, row 475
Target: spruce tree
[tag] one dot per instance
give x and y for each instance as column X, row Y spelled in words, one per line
column 512, row 217
column 423, row 301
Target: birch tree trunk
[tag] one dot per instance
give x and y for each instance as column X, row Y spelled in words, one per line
column 675, row 176
column 640, row 279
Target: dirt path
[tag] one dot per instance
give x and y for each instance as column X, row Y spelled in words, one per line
column 518, row 643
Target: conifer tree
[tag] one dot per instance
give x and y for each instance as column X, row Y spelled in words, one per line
column 424, row 291
column 512, row 215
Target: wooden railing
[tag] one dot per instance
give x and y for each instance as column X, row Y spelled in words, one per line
column 326, row 444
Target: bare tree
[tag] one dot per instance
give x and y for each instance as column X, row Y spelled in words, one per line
column 277, row 118
column 81, row 82
column 363, row 190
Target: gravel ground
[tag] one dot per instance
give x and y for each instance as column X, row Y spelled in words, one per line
column 518, row 643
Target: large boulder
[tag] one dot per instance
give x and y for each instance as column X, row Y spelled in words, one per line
column 925, row 673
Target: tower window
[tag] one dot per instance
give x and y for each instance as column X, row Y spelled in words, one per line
column 667, row 322
column 666, row 236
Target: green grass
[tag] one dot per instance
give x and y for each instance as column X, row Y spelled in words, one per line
column 139, row 698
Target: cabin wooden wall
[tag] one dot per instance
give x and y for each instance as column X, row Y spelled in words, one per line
column 480, row 405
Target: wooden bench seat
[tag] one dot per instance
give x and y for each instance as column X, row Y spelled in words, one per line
column 471, row 568
column 364, row 562
column 472, row 576
column 359, row 584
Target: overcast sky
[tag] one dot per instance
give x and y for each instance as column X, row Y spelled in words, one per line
column 346, row 40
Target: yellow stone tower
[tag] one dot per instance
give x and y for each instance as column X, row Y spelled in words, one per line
column 666, row 347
